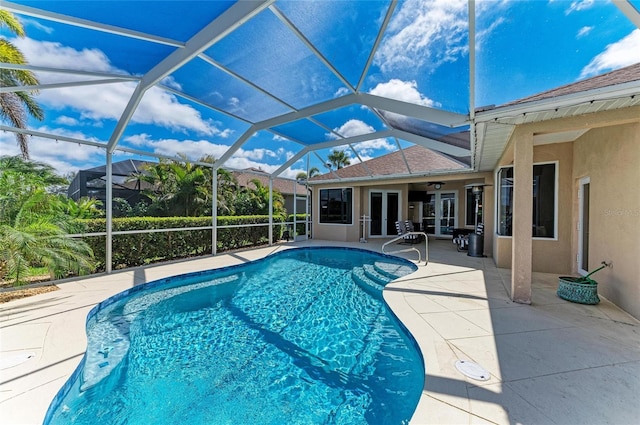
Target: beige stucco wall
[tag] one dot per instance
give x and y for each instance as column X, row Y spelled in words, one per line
column 549, row 255
column 609, row 154
column 610, row 157
column 337, row 232
column 455, row 182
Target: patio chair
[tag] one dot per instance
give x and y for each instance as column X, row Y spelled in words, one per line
column 411, row 228
column 402, row 230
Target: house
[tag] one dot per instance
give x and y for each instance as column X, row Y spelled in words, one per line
column 92, row 182
column 559, row 174
column 289, row 189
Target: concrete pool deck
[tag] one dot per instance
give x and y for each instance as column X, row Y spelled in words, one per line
column 552, row 362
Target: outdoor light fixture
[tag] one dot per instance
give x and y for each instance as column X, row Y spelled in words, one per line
column 436, row 185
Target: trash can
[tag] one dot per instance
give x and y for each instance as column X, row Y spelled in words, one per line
column 476, row 245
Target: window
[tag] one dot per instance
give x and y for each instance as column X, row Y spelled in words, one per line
column 544, row 201
column 336, row 206
column 470, row 219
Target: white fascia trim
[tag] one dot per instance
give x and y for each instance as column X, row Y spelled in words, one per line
column 604, row 93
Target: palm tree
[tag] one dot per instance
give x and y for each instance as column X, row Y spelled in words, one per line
column 15, row 105
column 339, row 159
column 37, row 236
column 313, row 171
column 34, row 224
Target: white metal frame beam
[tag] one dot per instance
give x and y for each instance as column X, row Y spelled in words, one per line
column 63, row 85
column 84, row 23
column 68, row 71
column 217, row 29
column 629, row 11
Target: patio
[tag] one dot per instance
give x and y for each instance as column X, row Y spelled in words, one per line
column 552, row 362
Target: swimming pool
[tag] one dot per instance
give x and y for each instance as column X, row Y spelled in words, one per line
column 299, row 337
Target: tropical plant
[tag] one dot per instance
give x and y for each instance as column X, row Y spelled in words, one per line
column 255, row 200
column 19, row 178
column 37, row 236
column 15, row 105
column 339, row 159
column 34, row 223
column 84, row 207
column 313, row 171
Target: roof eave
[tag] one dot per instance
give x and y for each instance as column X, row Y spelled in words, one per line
column 628, row 89
column 384, row 177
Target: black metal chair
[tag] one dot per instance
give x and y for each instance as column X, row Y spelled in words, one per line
column 402, row 229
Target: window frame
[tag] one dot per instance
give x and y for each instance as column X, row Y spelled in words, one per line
column 333, row 223
column 497, row 194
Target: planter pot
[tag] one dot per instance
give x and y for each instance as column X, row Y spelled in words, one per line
column 578, row 290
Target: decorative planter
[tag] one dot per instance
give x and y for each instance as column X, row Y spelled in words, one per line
column 578, row 290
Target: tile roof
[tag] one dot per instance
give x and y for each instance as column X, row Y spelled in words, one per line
column 619, row 76
column 420, row 159
column 284, row 186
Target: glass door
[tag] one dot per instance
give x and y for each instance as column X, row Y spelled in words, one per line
column 384, row 210
column 439, row 217
column 583, row 226
column 447, row 213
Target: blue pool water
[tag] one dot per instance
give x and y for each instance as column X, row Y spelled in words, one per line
column 300, row 337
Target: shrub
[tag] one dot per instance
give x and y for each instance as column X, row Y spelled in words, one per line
column 135, row 249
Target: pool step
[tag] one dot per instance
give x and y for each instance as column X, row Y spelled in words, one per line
column 367, row 284
column 392, row 270
column 372, row 273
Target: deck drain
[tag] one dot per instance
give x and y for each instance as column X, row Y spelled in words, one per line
column 15, row 360
column 472, row 370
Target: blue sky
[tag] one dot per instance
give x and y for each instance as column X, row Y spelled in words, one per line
column 522, row 48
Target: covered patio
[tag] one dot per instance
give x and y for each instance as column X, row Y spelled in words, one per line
column 551, row 362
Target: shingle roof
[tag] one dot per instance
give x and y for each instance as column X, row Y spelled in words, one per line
column 420, row 159
column 619, row 76
column 284, row 186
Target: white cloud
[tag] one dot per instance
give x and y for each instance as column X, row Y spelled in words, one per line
column 579, row 5
column 355, row 128
column 582, row 32
column 279, row 138
column 352, row 128
column 32, row 23
column 108, row 101
column 616, row 55
column 64, row 157
column 424, row 33
column 406, row 91
column 342, row 91
column 196, row 149
column 65, row 120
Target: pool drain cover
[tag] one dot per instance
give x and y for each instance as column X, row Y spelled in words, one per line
column 472, row 370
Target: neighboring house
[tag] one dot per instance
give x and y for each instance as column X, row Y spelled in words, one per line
column 92, row 183
column 561, row 172
column 289, row 189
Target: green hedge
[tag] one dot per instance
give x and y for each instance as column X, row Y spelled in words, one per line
column 300, row 223
column 145, row 248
